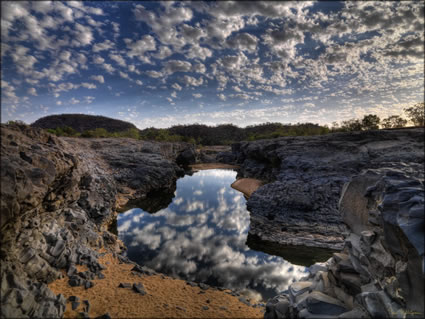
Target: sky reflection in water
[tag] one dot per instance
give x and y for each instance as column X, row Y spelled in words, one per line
column 201, row 237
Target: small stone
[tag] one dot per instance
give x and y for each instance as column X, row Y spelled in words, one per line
column 74, row 305
column 205, row 308
column 88, row 284
column 84, row 315
column 203, row 286
column 245, row 301
column 180, row 308
column 191, row 283
column 207, row 301
column 124, row 285
column 100, row 276
column 74, row 282
column 139, row 288
column 71, row 270
column 105, row 316
column 223, row 308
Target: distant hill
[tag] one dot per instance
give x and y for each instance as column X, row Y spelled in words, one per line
column 83, row 122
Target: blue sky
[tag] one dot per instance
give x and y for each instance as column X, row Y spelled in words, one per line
column 166, row 63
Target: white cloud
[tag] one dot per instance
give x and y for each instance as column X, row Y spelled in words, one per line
column 65, row 55
column 164, row 52
column 98, row 78
column 140, row 47
column 154, row 74
column 98, row 59
column 105, row 45
column 82, row 35
column 173, row 66
column 191, row 81
column 109, row 68
column 118, row 58
column 88, row 85
column 221, row 96
column 73, row 101
column 197, row 95
column 32, row 91
column 176, row 86
column 243, row 42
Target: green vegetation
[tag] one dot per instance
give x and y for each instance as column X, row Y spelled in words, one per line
column 416, row 113
column 394, row 121
column 224, row 134
column 96, row 133
column 372, row 122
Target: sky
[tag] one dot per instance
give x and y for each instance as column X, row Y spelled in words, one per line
column 167, row 63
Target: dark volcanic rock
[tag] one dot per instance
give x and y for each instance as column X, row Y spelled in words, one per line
column 187, row 157
column 300, row 204
column 57, row 196
column 380, row 273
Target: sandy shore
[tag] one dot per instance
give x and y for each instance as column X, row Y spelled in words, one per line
column 166, row 297
column 247, row 185
column 198, row 167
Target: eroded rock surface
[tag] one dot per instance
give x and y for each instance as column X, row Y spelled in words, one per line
column 380, row 273
column 57, row 197
column 299, row 205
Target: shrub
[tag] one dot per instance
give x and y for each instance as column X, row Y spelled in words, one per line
column 394, row 121
column 416, row 114
column 370, row 122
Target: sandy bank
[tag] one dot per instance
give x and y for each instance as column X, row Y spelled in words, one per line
column 198, row 167
column 247, row 185
column 166, row 297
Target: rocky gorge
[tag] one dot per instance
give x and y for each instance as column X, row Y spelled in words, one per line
column 360, row 193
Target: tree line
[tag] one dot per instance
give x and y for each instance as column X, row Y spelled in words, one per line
column 226, row 134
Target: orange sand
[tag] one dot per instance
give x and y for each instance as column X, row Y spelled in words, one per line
column 164, row 295
column 247, row 185
column 198, row 167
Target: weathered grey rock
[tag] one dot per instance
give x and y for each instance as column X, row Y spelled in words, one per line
column 74, row 305
column 277, row 307
column 319, row 303
column 186, row 157
column 125, row 285
column 139, row 288
column 358, row 313
column 307, row 174
column 299, row 288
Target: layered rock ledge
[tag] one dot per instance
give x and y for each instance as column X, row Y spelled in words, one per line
column 380, row 272
column 299, row 204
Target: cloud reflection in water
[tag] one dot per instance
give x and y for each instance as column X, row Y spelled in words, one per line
column 201, row 237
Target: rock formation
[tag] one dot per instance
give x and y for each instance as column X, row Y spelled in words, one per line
column 58, row 196
column 299, row 205
column 380, row 272
column 359, row 192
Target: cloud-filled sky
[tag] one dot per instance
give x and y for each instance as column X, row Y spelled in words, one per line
column 166, row 63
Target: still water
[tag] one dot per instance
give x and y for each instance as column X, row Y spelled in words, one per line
column 201, row 236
